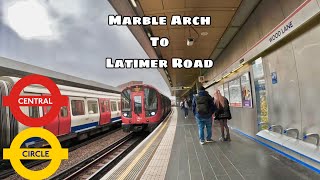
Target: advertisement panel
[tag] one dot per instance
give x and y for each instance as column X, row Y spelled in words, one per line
column 246, row 90
column 235, row 93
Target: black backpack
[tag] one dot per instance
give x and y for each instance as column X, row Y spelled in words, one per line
column 224, row 112
column 203, row 105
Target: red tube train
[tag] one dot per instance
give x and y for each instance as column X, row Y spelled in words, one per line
column 143, row 108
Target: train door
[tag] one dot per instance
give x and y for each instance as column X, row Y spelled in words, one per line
column 64, row 120
column 93, row 111
column 115, row 112
column 62, row 123
column 138, row 111
column 105, row 114
column 78, row 114
column 53, row 126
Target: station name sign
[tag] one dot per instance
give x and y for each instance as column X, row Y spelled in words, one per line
column 281, row 31
column 296, row 20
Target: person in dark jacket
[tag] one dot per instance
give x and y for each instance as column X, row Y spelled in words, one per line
column 185, row 108
column 223, row 114
column 203, row 107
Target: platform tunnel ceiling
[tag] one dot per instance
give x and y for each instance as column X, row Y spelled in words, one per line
column 227, row 17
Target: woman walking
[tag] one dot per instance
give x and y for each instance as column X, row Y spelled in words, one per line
column 223, row 114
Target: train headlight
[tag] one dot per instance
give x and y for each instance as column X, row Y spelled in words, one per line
column 126, row 114
column 153, row 113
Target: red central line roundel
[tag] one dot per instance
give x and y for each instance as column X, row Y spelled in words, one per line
column 56, row 100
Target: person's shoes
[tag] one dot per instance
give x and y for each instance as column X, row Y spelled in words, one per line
column 221, row 139
column 227, row 139
column 185, row 117
column 209, row 140
column 202, row 142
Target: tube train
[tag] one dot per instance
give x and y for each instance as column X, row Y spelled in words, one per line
column 88, row 112
column 143, row 108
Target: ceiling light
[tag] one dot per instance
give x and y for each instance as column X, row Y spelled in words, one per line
column 149, row 34
column 133, row 2
column 204, row 33
column 226, row 75
column 218, row 80
column 190, row 41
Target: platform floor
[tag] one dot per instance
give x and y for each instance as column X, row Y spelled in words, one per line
column 241, row 158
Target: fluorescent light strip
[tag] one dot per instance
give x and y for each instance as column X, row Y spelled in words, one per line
column 226, row 75
column 238, row 68
column 133, row 2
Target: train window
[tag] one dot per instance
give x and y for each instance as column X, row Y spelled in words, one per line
column 103, row 106
column 125, row 100
column 137, row 105
column 151, row 100
column 113, row 106
column 34, row 112
column 48, row 109
column 77, row 107
column 92, row 107
column 108, row 106
column 64, row 111
column 119, row 106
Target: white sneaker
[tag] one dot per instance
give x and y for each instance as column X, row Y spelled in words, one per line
column 202, row 142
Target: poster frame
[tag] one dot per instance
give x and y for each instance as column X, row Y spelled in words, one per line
column 250, row 88
column 231, row 105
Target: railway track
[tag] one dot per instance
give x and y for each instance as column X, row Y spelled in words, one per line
column 30, row 164
column 100, row 163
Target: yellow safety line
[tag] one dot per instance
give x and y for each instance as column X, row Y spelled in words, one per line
column 134, row 162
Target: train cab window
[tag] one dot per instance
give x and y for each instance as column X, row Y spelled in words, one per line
column 137, row 104
column 34, row 112
column 113, row 106
column 150, row 101
column 126, row 100
column 77, row 107
column 64, row 111
column 92, row 107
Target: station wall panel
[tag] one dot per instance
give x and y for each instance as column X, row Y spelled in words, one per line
column 292, row 102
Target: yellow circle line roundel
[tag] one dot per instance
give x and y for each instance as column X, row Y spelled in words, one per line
column 55, row 153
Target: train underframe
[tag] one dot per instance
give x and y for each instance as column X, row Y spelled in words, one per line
column 139, row 127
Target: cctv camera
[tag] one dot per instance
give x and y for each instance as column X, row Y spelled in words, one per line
column 190, row 41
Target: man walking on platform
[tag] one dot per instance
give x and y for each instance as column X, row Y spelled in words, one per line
column 186, row 108
column 203, row 108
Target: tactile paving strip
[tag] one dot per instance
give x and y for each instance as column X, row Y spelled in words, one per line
column 157, row 167
column 133, row 166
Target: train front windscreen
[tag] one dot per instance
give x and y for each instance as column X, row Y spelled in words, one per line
column 139, row 100
column 151, row 101
column 126, row 103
